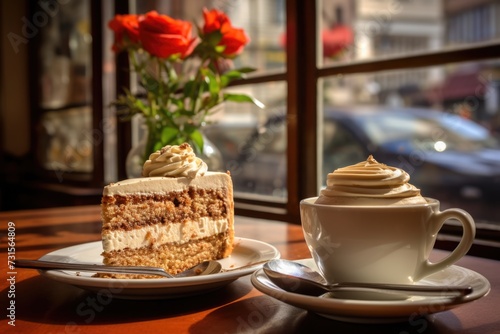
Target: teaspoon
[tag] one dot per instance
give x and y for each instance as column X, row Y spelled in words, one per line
column 297, row 278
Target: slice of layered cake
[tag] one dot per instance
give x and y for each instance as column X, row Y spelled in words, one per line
column 174, row 217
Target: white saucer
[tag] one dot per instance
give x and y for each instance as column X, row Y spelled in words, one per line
column 246, row 251
column 380, row 311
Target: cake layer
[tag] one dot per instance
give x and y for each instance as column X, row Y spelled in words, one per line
column 137, row 211
column 174, row 258
column 160, row 234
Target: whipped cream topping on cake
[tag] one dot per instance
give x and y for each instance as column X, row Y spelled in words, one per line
column 369, row 183
column 174, row 161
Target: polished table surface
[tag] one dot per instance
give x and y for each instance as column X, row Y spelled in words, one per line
column 46, row 306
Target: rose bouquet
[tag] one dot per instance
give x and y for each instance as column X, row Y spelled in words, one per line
column 183, row 76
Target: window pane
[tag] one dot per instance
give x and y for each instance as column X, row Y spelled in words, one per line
column 440, row 124
column 253, row 142
column 65, row 57
column 66, row 140
column 262, row 20
column 369, row 29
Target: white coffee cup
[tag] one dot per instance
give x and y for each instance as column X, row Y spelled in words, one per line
column 381, row 244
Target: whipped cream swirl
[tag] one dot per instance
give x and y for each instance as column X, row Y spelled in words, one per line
column 174, row 161
column 369, row 179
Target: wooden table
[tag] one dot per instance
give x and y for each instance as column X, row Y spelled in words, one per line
column 45, row 306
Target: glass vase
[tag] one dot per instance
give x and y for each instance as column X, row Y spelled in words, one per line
column 135, row 158
column 211, row 155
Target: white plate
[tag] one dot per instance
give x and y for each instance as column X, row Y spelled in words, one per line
column 246, row 251
column 380, row 311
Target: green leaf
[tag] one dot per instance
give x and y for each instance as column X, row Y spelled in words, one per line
column 151, row 84
column 168, row 134
column 243, row 98
column 213, row 84
column 233, row 74
column 189, row 87
column 157, row 146
column 229, row 76
column 245, row 69
column 139, row 104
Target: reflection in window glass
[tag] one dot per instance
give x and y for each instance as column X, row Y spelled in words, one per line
column 440, row 124
column 368, row 29
column 66, row 140
column 65, row 57
column 474, row 23
column 253, row 141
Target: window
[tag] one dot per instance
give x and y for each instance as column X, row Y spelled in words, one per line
column 427, row 73
column 318, row 59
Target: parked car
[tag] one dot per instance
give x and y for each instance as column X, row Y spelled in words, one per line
column 447, row 156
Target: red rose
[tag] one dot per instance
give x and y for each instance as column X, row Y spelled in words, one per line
column 163, row 36
column 233, row 39
column 214, row 20
column 125, row 27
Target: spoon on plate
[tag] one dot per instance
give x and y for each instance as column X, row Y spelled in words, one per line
column 203, row 268
column 298, row 278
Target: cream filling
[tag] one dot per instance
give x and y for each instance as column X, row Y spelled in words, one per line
column 160, row 234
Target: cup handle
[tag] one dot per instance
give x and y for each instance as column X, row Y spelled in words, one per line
column 469, row 232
